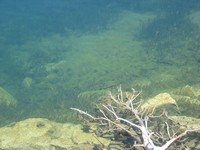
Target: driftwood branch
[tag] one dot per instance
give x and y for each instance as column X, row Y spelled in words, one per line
column 124, row 102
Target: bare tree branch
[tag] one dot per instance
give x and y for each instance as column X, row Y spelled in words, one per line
column 124, row 102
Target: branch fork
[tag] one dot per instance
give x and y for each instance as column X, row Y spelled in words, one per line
column 125, row 102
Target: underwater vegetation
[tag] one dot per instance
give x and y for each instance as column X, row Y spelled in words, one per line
column 71, row 54
column 48, row 69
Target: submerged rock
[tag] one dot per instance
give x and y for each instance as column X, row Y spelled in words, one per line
column 159, row 101
column 42, row 134
column 187, row 122
column 188, row 100
column 27, row 82
column 6, row 98
column 186, row 91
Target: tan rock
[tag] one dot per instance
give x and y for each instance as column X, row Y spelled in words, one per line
column 160, row 100
column 6, row 98
column 42, row 134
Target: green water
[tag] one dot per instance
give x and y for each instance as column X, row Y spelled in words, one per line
column 74, row 65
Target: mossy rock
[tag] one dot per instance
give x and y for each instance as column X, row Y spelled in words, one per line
column 159, row 103
column 38, row 133
column 27, row 82
column 186, row 91
column 195, row 17
column 6, row 98
column 188, row 122
column 188, row 106
column 188, row 100
column 51, row 67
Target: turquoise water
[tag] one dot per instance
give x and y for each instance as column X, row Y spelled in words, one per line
column 57, row 55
